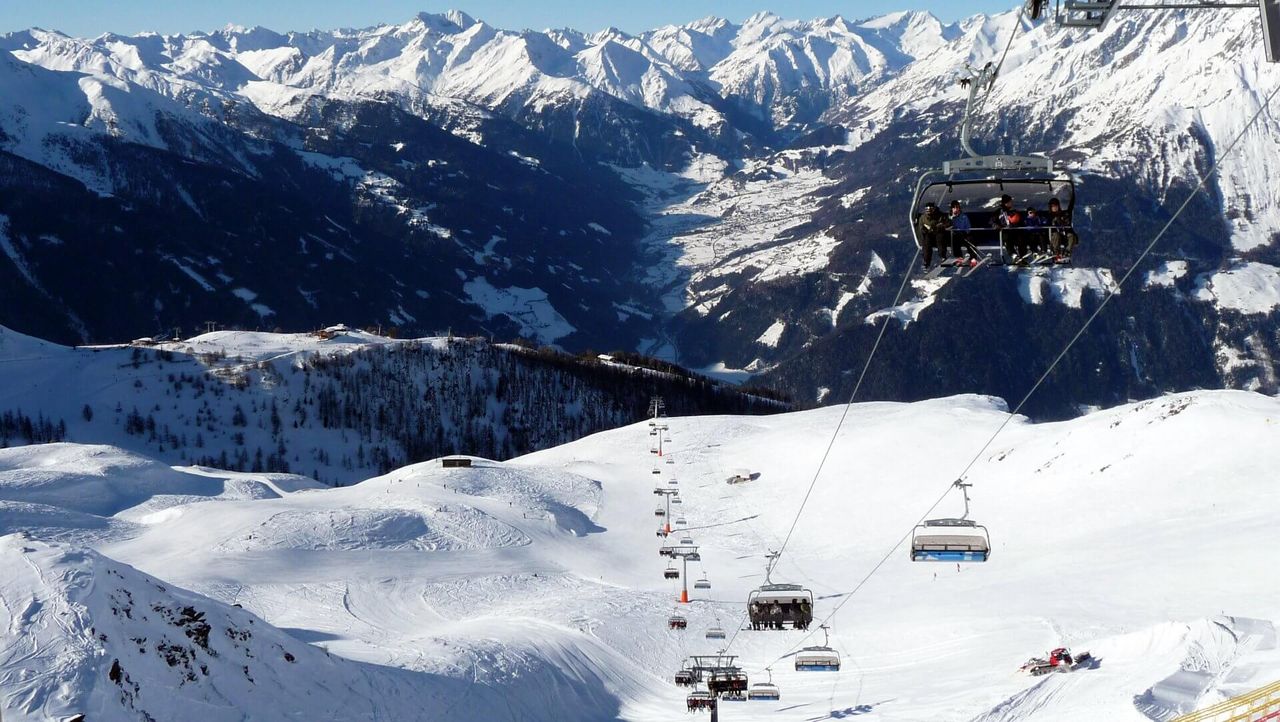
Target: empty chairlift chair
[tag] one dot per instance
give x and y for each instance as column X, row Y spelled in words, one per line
column 818, row 659
column 687, row 541
column 671, row 460
column 715, row 633
column 680, row 521
column 764, row 691
column 951, row 540
column 702, row 583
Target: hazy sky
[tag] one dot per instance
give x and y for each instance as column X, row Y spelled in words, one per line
column 94, row 17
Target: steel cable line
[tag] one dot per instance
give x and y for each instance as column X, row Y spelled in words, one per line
column 889, row 318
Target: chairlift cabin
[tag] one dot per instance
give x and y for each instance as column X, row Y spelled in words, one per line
column 667, row 551
column 693, row 556
column 724, row 680
column 951, row 540
column 659, row 512
column 653, row 450
column 673, row 482
column 779, row 606
column 680, row 521
column 671, row 573
column 702, row 583
column 687, row 541
column 653, row 432
column 764, row 691
column 671, row 459
column 676, row 499
column 817, row 659
column 733, row 697
column 699, row 700
column 656, row 470
column 978, row 185
column 686, row 678
column 675, row 621
column 715, row 633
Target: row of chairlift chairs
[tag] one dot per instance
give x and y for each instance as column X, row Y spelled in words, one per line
column 776, row 606
column 772, row 606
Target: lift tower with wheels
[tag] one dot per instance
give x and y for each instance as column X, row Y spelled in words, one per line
column 686, row 554
column 666, row 494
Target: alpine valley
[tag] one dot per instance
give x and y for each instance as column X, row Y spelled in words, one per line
column 730, row 197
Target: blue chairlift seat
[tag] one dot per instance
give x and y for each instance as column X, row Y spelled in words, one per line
column 950, row 540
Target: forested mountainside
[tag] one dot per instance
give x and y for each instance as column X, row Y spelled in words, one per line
column 336, row 409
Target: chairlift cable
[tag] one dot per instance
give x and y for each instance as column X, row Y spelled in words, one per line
column 1111, row 293
column 888, row 319
column 1017, row 25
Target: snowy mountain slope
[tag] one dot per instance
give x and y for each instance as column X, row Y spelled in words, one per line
column 767, row 66
column 338, row 406
column 1106, row 107
column 88, row 635
column 480, row 172
column 548, row 579
column 377, row 189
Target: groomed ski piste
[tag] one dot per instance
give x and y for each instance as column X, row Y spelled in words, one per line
column 533, row 590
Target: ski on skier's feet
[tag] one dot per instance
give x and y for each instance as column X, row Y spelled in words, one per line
column 974, row 268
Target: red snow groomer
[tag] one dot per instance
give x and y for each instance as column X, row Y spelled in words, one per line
column 1059, row 660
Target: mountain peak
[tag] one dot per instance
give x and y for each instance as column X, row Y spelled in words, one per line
column 448, row 22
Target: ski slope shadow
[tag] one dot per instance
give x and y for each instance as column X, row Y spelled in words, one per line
column 846, row 713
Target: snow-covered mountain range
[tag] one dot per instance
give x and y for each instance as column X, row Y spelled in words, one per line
column 531, row 589
column 728, row 195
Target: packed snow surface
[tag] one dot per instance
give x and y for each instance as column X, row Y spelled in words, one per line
column 1250, row 288
column 532, row 589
